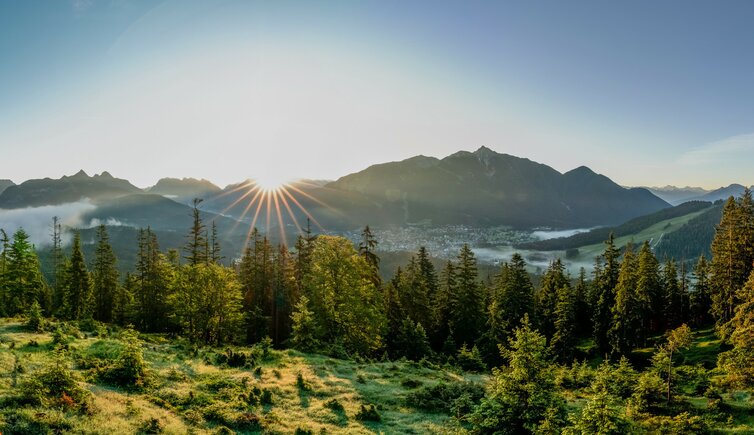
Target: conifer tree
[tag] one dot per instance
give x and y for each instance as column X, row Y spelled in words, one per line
column 674, row 297
column 154, row 275
column 367, row 247
column 413, row 291
column 563, row 340
column 196, row 248
column 627, row 309
column 467, row 303
column 605, row 279
column 700, row 296
column 105, row 277
column 78, row 287
column 523, row 393
column 442, row 305
column 23, row 281
column 650, row 301
column 215, row 255
column 728, row 268
column 553, row 281
column 738, row 363
column 58, row 263
column 581, row 299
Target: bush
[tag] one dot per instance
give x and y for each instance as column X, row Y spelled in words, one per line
column 55, row 386
column 470, row 360
column 442, row 397
column 302, row 383
column 130, row 369
column 649, row 392
column 579, row 375
column 681, row 424
column 335, row 405
column 35, row 321
column 233, row 359
column 411, row 383
column 368, row 414
column 301, row 431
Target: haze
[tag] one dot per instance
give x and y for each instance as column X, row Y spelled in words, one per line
column 647, row 93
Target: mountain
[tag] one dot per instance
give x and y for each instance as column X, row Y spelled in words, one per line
column 677, row 195
column 184, row 190
column 488, row 188
column 723, row 193
column 36, row 193
column 4, row 184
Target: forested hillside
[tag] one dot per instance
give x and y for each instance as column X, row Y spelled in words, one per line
column 310, row 338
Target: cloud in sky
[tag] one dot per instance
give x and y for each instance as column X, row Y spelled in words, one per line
column 729, row 150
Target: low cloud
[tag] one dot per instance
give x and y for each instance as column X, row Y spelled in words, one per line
column 37, row 221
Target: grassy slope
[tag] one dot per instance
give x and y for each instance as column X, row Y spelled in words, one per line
column 653, row 233
column 175, row 373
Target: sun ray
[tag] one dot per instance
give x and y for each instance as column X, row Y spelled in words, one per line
column 299, row 230
column 306, row 212
column 283, row 240
column 253, row 222
column 246, row 210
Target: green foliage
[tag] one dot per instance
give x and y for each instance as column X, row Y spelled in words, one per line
column 599, row 416
column 470, row 359
column 130, row 369
column 411, row 342
column 35, row 321
column 445, row 396
column 368, row 413
column 522, row 395
column 55, row 386
column 304, row 335
column 233, row 358
column 334, row 405
column 681, row 424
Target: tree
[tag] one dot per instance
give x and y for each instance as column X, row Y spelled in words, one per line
column 729, row 268
column 674, row 298
column 105, row 277
column 626, row 311
column 679, row 338
column 154, row 277
column 207, row 302
column 58, row 263
column 196, row 248
column 522, row 394
column 22, row 277
column 650, row 309
column 700, row 298
column 605, row 279
column 467, row 302
column 78, row 287
column 553, row 281
column 304, row 335
column 738, row 363
column 343, row 297
column 367, row 247
column 214, row 246
column 441, row 307
column 563, row 340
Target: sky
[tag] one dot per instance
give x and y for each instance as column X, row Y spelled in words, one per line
column 648, row 93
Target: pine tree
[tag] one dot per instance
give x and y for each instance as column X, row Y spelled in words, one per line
column 582, row 306
column 701, row 302
column 563, row 340
column 22, row 277
column 605, row 279
column 197, row 247
column 728, row 268
column 553, row 281
column 626, row 311
column 304, row 335
column 394, row 315
column 674, row 297
column 58, row 263
column 738, row 363
column 105, row 277
column 367, row 247
column 523, row 393
column 154, row 275
column 215, row 255
column 78, row 287
column 650, row 299
column 413, row 291
column 441, row 306
column 467, row 303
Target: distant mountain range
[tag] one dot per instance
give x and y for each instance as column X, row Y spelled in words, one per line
column 4, row 184
column 678, row 195
column 481, row 188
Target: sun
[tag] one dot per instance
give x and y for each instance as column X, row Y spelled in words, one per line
column 270, row 182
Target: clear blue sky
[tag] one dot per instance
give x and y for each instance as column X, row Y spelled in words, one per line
column 646, row 92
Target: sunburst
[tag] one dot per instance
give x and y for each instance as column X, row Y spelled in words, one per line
column 272, row 198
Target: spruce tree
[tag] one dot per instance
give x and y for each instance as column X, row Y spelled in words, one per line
column 105, row 277
column 674, row 297
column 605, row 279
column 553, row 281
column 78, row 287
column 197, row 247
column 367, row 247
column 627, row 309
column 700, row 300
column 23, row 279
column 467, row 304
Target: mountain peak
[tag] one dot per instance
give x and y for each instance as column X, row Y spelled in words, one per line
column 80, row 174
column 105, row 174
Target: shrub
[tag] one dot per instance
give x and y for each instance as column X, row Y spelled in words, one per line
column 411, row 383
column 151, row 426
column 470, row 360
column 233, row 359
column 35, row 321
column 335, row 405
column 301, row 431
column 55, row 386
column 266, row 398
column 302, row 383
column 681, row 424
column 442, row 397
column 368, row 414
column 130, row 369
